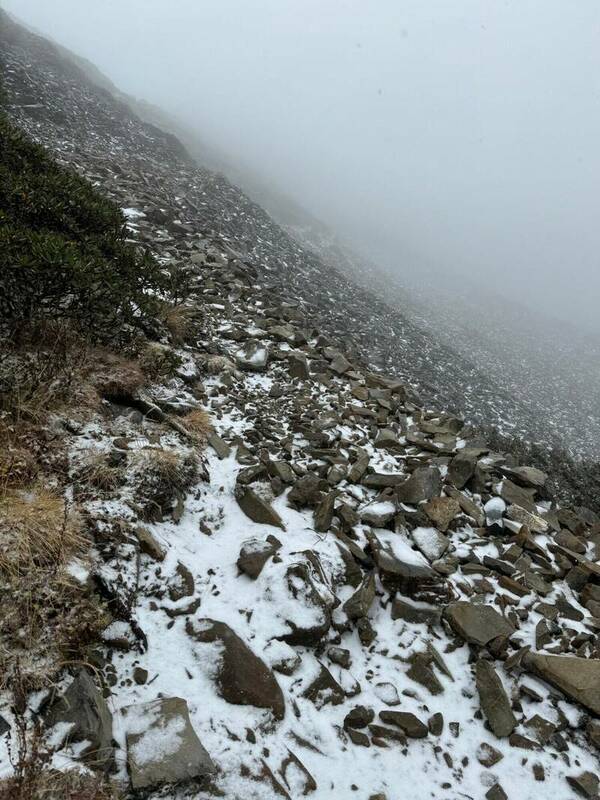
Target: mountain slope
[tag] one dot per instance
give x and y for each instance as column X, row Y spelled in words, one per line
column 316, row 584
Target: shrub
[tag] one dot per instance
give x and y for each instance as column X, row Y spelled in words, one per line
column 63, row 253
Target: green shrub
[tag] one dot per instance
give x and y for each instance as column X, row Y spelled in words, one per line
column 63, row 253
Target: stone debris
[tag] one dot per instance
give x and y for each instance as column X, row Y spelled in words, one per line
column 162, row 746
column 416, row 572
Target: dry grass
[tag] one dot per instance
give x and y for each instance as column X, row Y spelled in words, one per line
column 53, row 785
column 160, row 477
column 51, row 618
column 36, row 530
column 96, row 476
column 114, row 376
column 158, row 361
column 179, row 321
column 18, row 466
column 197, row 422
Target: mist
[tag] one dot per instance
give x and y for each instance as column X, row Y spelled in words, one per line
column 459, row 137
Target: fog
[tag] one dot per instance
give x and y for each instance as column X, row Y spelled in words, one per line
column 463, row 135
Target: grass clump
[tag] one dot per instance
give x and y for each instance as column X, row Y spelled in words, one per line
column 97, row 477
column 161, row 478
column 197, row 422
column 36, row 530
column 51, row 618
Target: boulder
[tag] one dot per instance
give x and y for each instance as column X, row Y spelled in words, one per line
column 257, row 509
column 255, row 553
column 83, row 706
column 424, row 484
column 441, row 511
column 494, row 700
column 162, row 746
column 242, row 677
column 359, row 604
column 477, row 624
column 578, row 678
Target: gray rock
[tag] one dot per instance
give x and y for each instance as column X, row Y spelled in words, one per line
column 407, row 722
column 84, row 707
column 424, row 484
column 477, row 624
column 162, row 746
column 578, row 678
column 255, row 553
column 257, row 509
column 242, row 677
column 359, row 604
column 494, row 701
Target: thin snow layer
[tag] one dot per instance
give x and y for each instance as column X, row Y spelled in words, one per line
column 255, row 610
column 158, row 742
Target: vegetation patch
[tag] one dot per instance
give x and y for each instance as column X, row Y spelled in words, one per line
column 63, row 254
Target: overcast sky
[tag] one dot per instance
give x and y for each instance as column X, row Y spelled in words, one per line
column 464, row 132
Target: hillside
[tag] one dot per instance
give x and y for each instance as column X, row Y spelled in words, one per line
column 249, row 547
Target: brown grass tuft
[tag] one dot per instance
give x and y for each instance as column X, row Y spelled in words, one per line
column 36, row 530
column 96, row 476
column 179, row 321
column 38, row 782
column 197, row 422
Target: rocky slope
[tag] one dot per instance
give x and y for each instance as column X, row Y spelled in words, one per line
column 348, row 594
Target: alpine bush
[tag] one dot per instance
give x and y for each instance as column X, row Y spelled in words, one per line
column 63, row 253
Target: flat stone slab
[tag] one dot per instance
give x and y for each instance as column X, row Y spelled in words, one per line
column 477, row 624
column 578, row 678
column 162, row 745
